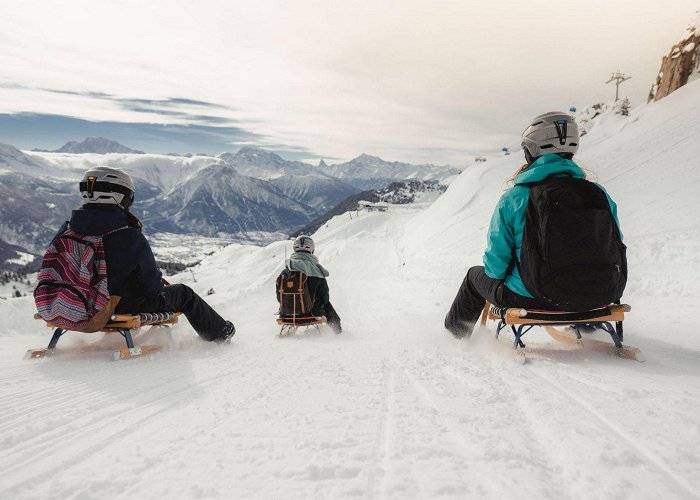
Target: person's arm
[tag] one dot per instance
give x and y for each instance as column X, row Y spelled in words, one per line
column 318, row 289
column 322, row 292
column 147, row 273
column 62, row 230
column 500, row 243
column 613, row 209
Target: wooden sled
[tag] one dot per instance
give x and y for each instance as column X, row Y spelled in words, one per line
column 290, row 325
column 120, row 323
column 608, row 318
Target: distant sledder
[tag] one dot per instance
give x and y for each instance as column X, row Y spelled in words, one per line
column 99, row 273
column 302, row 291
column 555, row 254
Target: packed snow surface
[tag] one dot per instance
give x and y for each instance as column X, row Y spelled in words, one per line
column 394, row 407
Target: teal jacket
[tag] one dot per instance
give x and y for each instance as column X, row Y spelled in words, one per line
column 307, row 263
column 505, row 234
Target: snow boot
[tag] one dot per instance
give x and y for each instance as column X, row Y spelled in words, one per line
column 332, row 318
column 226, row 334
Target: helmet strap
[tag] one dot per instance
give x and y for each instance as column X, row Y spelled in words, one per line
column 90, row 186
column 561, row 126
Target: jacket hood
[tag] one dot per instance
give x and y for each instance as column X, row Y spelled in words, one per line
column 546, row 165
column 94, row 220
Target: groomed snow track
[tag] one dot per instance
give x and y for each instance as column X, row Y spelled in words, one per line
column 392, row 408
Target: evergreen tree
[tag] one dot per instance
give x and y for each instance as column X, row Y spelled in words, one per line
column 623, row 107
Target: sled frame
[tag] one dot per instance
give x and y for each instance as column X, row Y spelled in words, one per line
column 290, row 325
column 608, row 319
column 120, row 323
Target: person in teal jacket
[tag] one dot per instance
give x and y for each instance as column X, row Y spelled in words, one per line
column 549, row 148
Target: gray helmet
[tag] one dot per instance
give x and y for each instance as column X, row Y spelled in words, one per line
column 552, row 132
column 107, row 185
column 304, row 244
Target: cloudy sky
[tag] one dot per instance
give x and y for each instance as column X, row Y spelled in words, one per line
column 420, row 81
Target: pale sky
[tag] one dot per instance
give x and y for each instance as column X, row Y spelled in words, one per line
column 417, row 81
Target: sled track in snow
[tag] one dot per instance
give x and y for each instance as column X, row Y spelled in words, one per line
column 628, row 441
column 377, row 487
column 92, row 433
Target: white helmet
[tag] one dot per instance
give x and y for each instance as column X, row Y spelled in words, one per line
column 107, row 185
column 304, row 244
column 552, row 132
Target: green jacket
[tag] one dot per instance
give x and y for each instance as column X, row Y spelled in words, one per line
column 505, row 233
column 307, row 263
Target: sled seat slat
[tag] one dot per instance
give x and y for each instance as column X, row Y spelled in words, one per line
column 132, row 321
column 301, row 320
column 521, row 316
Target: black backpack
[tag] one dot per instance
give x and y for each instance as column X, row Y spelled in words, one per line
column 572, row 253
column 293, row 295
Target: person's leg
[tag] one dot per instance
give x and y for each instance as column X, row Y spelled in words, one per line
column 332, row 318
column 471, row 298
column 205, row 320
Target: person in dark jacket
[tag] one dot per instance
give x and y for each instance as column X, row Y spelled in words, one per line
column 549, row 148
column 132, row 273
column 304, row 260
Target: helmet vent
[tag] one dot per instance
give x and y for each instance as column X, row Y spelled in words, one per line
column 547, row 146
column 536, row 123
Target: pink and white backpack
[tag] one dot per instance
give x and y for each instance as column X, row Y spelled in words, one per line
column 73, row 280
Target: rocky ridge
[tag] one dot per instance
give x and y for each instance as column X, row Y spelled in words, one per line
column 679, row 66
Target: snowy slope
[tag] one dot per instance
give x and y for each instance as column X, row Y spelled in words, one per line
column 394, row 407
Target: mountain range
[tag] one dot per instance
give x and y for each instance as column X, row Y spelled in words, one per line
column 251, row 191
column 396, row 193
column 98, row 145
column 371, row 172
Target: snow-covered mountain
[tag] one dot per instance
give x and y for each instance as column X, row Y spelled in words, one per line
column 32, row 206
column 397, row 193
column 251, row 191
column 218, row 199
column 299, row 181
column 13, row 159
column 98, row 145
column 371, row 172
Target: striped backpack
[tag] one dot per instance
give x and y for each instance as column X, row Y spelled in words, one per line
column 73, row 280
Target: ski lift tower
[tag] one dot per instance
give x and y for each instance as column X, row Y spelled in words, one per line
column 618, row 78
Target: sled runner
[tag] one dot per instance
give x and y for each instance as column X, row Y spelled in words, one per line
column 121, row 323
column 607, row 318
column 290, row 324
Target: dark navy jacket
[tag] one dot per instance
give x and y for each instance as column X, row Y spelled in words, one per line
column 131, row 268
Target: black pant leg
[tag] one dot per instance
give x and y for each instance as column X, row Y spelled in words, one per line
column 332, row 318
column 477, row 287
column 203, row 318
column 181, row 298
